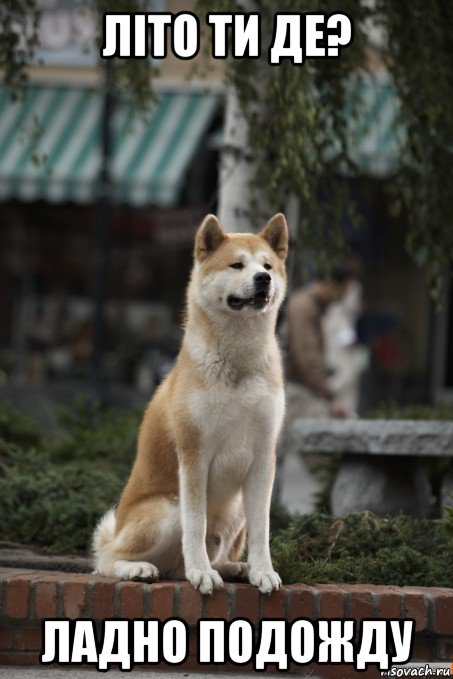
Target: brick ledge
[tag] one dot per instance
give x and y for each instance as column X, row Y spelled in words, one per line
column 29, row 596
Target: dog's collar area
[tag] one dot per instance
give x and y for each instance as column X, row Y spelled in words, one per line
column 257, row 301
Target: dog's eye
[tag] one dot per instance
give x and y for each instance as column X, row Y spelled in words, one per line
column 268, row 267
column 237, row 265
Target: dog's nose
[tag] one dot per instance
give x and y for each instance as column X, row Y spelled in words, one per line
column 262, row 279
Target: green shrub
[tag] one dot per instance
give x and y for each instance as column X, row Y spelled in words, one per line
column 361, row 547
column 392, row 410
column 16, row 427
column 92, row 433
column 54, row 506
column 53, row 490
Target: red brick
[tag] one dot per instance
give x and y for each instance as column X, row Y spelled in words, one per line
column 273, row 605
column 445, row 650
column 388, row 601
column 6, row 637
column 189, row 603
column 389, row 606
column 74, row 599
column 193, row 643
column 59, row 577
column 19, row 659
column 444, row 614
column 17, row 596
column 360, row 601
column 132, row 599
column 247, row 598
column 161, row 604
column 435, row 591
column 301, row 604
column 28, row 639
column 190, row 664
column 415, row 606
column 54, row 576
column 421, row 650
column 331, row 602
column 302, row 601
column 46, row 599
column 103, row 598
column 7, row 572
column 217, row 605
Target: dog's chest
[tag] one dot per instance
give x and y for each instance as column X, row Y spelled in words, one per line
column 233, row 423
column 224, row 413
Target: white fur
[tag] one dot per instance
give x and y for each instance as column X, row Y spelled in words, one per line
column 239, row 415
column 212, row 291
column 166, row 552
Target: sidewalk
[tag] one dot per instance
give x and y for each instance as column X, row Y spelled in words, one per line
column 75, row 673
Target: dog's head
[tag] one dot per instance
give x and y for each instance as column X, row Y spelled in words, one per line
column 240, row 273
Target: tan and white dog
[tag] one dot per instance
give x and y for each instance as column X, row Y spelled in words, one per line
column 206, row 451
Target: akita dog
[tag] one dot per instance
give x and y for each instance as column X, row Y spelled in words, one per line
column 205, row 462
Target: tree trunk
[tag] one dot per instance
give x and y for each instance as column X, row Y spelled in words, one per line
column 236, row 169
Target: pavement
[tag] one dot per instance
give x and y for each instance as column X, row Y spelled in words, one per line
column 76, row 673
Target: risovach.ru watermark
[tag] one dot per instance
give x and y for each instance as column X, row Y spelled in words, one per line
column 421, row 670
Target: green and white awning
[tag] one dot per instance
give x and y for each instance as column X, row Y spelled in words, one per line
column 50, row 145
column 50, row 142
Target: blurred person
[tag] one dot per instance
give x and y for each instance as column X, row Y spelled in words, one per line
column 346, row 359
column 309, row 391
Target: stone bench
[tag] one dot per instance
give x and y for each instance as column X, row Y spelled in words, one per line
column 380, row 470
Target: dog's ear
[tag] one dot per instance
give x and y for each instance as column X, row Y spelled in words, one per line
column 276, row 234
column 208, row 238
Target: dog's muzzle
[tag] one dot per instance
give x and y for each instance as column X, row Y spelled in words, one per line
column 262, row 280
column 260, row 298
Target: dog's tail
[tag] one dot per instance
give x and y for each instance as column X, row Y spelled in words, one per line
column 102, row 542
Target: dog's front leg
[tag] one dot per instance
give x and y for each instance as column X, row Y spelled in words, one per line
column 193, row 489
column 257, row 501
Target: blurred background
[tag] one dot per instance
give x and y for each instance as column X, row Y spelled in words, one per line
column 99, row 205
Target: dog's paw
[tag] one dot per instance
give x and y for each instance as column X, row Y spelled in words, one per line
column 266, row 581
column 135, row 570
column 204, row 580
column 234, row 569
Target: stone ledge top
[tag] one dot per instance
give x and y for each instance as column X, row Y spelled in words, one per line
column 374, row 437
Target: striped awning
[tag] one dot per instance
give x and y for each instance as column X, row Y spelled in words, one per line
column 50, row 145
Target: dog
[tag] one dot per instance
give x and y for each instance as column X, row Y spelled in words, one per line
column 205, row 463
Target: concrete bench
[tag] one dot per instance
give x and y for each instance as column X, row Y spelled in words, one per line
column 380, row 469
